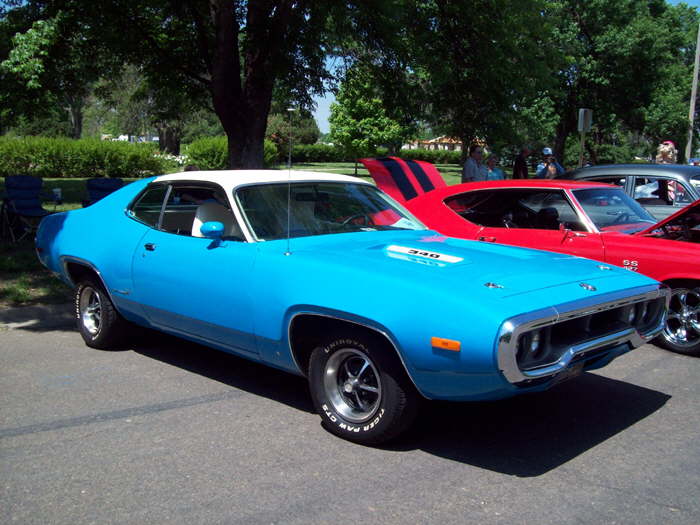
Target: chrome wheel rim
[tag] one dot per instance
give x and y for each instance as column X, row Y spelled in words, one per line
column 683, row 320
column 352, row 384
column 91, row 310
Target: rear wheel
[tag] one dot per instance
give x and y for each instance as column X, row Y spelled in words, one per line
column 682, row 331
column 360, row 389
column 98, row 321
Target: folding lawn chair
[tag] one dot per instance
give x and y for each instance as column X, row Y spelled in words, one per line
column 22, row 207
column 98, row 188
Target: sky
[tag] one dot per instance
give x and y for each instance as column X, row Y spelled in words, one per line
column 322, row 111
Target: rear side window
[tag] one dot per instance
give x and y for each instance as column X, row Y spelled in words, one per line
column 148, row 206
column 517, row 208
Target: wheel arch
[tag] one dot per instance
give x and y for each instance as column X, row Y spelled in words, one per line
column 76, row 269
column 685, row 282
column 307, row 329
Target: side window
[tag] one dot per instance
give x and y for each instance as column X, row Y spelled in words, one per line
column 659, row 191
column 190, row 205
column 147, row 208
column 552, row 211
column 524, row 209
column 680, row 193
column 180, row 210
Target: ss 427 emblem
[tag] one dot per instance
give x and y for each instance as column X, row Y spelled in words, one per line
column 630, row 265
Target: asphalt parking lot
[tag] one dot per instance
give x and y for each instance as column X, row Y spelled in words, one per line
column 171, row 432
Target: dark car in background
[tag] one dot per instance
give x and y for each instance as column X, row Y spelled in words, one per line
column 661, row 188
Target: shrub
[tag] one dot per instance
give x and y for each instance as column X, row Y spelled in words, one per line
column 270, row 153
column 316, row 153
column 430, row 155
column 211, row 153
column 63, row 157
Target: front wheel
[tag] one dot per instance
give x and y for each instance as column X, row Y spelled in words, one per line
column 360, row 389
column 682, row 331
column 98, row 321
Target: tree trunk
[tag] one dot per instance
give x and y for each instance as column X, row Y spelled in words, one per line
column 75, row 115
column 169, row 136
column 567, row 124
column 246, row 139
column 242, row 95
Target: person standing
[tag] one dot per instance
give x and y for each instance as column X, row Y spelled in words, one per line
column 520, row 170
column 666, row 153
column 473, row 170
column 549, row 167
column 493, row 171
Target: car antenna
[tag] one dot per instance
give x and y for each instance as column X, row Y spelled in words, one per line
column 289, row 182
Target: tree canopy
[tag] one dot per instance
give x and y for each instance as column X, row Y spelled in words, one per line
column 505, row 71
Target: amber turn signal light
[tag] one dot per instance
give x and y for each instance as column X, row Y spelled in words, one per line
column 445, row 344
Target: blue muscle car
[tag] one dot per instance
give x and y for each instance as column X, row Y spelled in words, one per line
column 347, row 289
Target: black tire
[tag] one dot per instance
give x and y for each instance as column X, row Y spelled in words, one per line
column 99, row 323
column 681, row 333
column 360, row 389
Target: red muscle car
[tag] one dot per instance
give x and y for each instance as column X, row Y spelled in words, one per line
column 588, row 219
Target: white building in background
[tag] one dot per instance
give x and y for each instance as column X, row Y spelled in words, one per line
column 439, row 143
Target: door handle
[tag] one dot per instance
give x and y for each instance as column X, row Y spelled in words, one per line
column 149, row 246
column 487, row 239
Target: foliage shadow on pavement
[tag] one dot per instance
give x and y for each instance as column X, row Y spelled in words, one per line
column 39, row 317
column 532, row 434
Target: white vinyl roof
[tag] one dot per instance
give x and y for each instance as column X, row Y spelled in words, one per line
column 231, row 179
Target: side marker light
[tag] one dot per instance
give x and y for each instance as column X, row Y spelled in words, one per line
column 446, row 344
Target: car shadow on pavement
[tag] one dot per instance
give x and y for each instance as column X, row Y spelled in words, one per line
column 228, row 369
column 523, row 436
column 533, row 434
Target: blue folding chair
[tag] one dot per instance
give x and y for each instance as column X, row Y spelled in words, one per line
column 22, row 207
column 98, row 188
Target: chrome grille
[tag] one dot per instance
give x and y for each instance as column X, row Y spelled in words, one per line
column 541, row 344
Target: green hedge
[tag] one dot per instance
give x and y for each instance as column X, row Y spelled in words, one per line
column 316, row 153
column 430, row 155
column 62, row 157
column 326, row 153
column 211, row 153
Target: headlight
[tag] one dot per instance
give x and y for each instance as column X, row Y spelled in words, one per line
column 645, row 309
column 535, row 341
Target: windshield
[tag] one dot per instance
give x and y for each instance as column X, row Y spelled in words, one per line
column 611, row 209
column 319, row 208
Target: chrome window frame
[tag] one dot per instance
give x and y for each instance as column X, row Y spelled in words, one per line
column 592, row 225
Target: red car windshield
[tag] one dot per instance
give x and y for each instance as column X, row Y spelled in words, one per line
column 611, row 209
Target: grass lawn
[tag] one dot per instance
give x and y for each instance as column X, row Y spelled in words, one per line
column 23, row 280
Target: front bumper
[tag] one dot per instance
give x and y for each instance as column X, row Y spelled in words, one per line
column 613, row 337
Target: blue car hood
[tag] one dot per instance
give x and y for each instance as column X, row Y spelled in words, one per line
column 427, row 259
